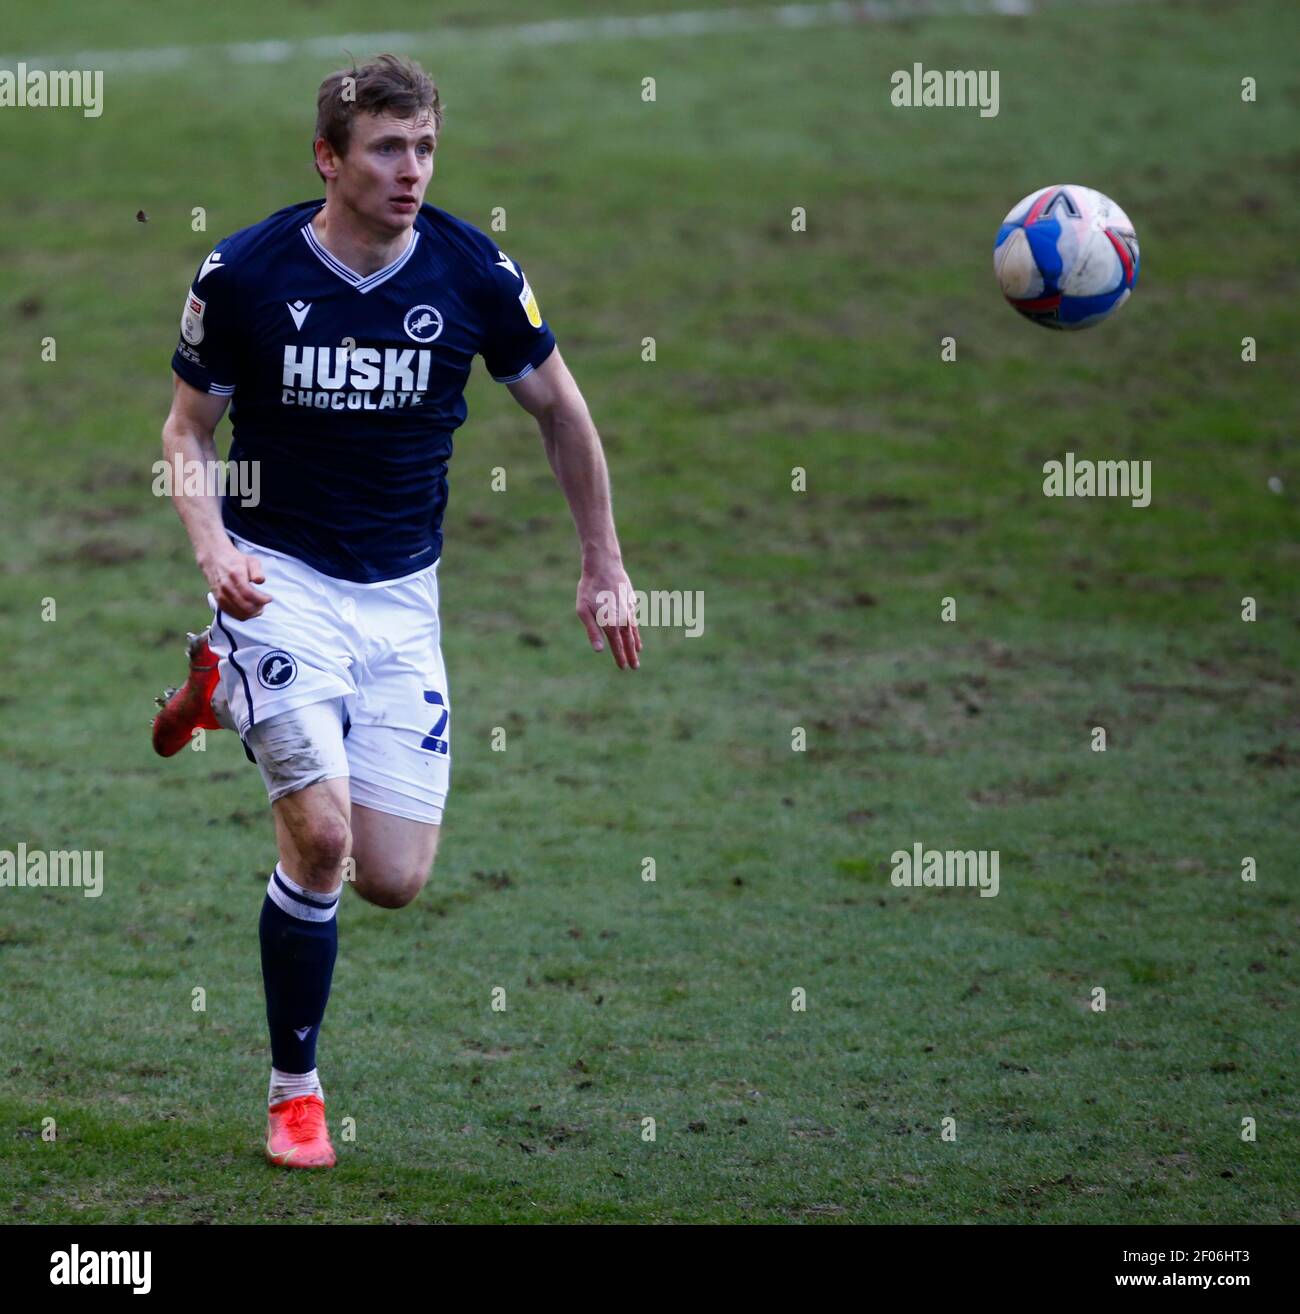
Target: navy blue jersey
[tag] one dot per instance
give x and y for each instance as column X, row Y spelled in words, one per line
column 347, row 390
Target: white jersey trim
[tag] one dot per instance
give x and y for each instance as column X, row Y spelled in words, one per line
column 350, row 276
column 514, row 378
column 523, row 373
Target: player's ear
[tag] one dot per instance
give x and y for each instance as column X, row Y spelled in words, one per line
column 326, row 160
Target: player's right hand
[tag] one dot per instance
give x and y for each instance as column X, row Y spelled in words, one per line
column 231, row 578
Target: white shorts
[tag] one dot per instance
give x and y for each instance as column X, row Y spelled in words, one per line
column 370, row 653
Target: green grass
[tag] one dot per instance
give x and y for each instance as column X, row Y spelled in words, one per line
column 672, row 1000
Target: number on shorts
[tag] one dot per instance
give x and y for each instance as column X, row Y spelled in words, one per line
column 432, row 741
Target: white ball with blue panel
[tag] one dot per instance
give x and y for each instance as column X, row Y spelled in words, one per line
column 1066, row 257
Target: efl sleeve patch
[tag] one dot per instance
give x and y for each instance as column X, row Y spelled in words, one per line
column 192, row 320
column 513, row 344
column 207, row 354
column 529, row 303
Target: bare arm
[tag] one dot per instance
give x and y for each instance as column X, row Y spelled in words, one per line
column 550, row 395
column 190, row 434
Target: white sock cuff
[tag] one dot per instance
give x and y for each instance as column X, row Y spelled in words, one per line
column 294, row 899
column 290, row 1085
column 221, row 710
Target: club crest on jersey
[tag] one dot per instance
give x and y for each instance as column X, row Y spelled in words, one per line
column 192, row 320
column 531, row 308
column 277, row 670
column 422, row 323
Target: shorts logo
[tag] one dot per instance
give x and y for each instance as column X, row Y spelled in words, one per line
column 277, row 670
column 192, row 320
column 422, row 323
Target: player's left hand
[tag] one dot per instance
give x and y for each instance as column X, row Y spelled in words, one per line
column 606, row 605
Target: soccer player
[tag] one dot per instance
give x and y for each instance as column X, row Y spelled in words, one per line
column 342, row 334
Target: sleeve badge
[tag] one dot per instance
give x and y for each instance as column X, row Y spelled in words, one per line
column 192, row 320
column 529, row 303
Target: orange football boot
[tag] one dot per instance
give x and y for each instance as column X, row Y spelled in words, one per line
column 296, row 1135
column 188, row 708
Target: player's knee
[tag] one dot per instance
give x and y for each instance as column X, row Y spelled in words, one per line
column 398, row 891
column 393, row 888
column 323, row 843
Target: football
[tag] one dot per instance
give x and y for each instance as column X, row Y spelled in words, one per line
column 1066, row 257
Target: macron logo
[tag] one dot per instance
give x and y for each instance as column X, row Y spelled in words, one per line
column 298, row 311
column 103, row 1268
column 211, row 263
column 506, row 263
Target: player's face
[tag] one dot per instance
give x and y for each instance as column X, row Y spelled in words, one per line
column 383, row 177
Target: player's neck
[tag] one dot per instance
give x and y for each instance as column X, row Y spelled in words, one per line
column 361, row 250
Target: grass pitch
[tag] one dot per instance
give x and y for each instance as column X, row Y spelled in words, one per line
column 672, row 999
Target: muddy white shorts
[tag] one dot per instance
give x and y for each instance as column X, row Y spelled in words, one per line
column 362, row 665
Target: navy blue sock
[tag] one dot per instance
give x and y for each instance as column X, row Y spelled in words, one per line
column 300, row 939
